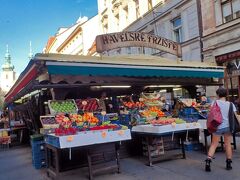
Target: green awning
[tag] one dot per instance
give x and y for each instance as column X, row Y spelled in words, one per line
column 101, row 69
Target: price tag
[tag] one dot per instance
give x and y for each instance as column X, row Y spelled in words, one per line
column 173, row 125
column 69, row 138
column 121, row 132
column 104, row 134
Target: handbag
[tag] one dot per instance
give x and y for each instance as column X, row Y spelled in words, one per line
column 233, row 121
column 214, row 118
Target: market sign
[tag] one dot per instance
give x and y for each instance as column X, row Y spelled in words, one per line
column 111, row 41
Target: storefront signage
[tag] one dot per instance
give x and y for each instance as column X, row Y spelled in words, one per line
column 111, row 41
column 228, row 57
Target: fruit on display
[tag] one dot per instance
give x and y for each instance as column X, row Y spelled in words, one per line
column 132, row 105
column 179, row 121
column 91, row 105
column 150, row 101
column 63, row 120
column 77, row 118
column 67, row 106
column 162, row 121
column 102, row 127
column 65, row 131
column 89, row 117
column 166, row 121
column 153, row 112
column 112, row 116
column 48, row 120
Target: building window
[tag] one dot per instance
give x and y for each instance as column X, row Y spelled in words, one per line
column 177, row 29
column 105, row 28
column 236, row 8
column 149, row 4
column 6, row 76
column 137, row 9
column 117, row 21
column 126, row 14
column 230, row 10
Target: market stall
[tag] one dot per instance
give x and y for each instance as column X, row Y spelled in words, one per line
column 154, row 142
column 54, row 84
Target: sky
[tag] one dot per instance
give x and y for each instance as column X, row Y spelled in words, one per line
column 22, row 21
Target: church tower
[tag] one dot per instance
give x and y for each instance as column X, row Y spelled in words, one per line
column 8, row 75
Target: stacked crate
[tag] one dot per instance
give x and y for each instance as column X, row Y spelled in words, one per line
column 38, row 152
column 156, row 147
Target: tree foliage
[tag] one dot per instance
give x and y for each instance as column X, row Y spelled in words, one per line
column 2, row 94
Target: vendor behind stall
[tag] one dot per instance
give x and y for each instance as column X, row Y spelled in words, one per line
column 4, row 119
column 101, row 102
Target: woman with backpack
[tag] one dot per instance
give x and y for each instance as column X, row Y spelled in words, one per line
column 222, row 130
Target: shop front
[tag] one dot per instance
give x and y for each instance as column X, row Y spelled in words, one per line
column 60, row 96
column 231, row 78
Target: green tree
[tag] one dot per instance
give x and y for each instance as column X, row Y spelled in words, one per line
column 2, row 94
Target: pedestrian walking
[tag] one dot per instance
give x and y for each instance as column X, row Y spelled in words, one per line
column 222, row 130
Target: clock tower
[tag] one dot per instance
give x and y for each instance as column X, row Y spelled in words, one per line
column 8, row 75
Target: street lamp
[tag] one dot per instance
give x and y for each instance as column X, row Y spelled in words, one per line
column 229, row 72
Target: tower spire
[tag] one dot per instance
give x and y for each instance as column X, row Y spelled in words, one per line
column 30, row 55
column 7, row 56
column 7, row 63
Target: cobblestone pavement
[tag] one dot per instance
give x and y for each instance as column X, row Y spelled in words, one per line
column 16, row 164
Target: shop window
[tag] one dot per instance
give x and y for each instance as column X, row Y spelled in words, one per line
column 177, row 29
column 129, row 50
column 230, row 10
column 149, row 4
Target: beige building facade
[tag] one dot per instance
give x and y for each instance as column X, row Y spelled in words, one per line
column 221, row 38
column 75, row 40
column 176, row 20
column 115, row 15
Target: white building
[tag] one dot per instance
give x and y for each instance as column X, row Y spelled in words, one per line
column 8, row 75
column 115, row 15
column 75, row 40
column 176, row 20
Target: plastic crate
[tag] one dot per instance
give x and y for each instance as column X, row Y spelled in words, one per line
column 52, row 140
column 37, row 137
column 49, row 126
column 38, row 154
column 192, row 147
column 39, row 163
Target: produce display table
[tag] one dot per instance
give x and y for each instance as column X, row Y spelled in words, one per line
column 150, row 133
column 19, row 132
column 94, row 143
